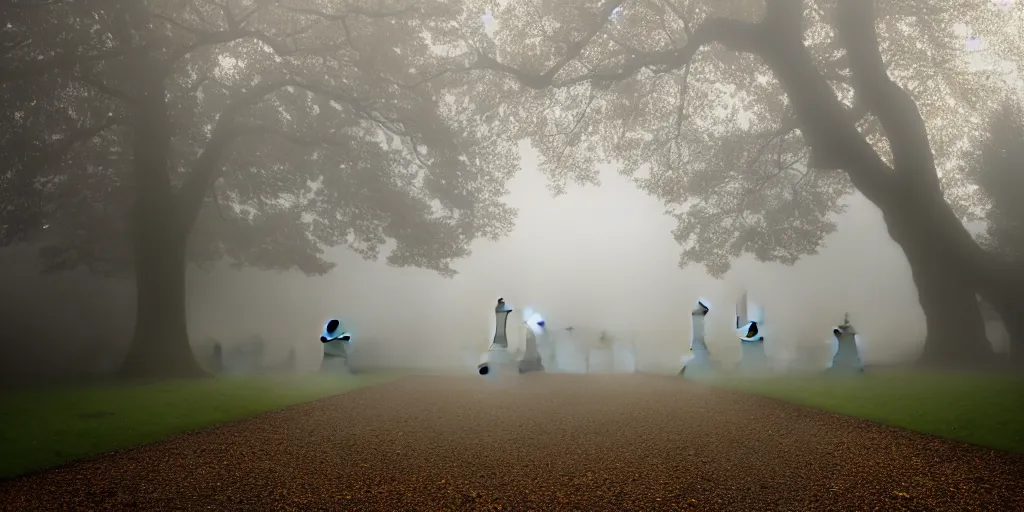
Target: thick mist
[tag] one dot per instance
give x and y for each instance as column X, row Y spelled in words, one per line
column 597, row 259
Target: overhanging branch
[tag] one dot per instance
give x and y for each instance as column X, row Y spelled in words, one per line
column 207, row 167
column 734, row 34
column 204, row 39
column 18, row 71
column 896, row 111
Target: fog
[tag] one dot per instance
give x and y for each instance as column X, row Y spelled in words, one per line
column 597, row 258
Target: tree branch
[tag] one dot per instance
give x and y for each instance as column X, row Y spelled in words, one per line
column 106, row 89
column 736, row 35
column 349, row 11
column 896, row 111
column 18, row 71
column 205, row 170
column 291, row 138
column 228, row 36
column 828, row 127
column 58, row 151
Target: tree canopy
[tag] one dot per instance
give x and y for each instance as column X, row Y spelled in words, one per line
column 677, row 93
column 292, row 125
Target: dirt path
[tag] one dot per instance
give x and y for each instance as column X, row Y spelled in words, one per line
column 546, row 442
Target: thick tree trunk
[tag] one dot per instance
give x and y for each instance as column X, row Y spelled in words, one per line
column 160, row 347
column 946, row 289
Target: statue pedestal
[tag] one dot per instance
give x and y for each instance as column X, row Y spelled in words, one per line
column 753, row 358
column 334, row 364
column 847, row 358
column 499, row 361
column 335, row 357
column 698, row 363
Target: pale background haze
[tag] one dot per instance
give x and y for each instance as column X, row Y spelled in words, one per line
column 596, row 258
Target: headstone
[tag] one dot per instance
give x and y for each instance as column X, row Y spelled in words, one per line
column 847, row 358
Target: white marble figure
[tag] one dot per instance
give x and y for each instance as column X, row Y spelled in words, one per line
column 752, row 352
column 847, row 354
column 507, row 340
column 720, row 320
column 335, row 341
column 697, row 360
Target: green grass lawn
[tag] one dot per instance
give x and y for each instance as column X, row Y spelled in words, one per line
column 986, row 410
column 44, row 428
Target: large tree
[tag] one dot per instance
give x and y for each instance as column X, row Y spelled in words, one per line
column 751, row 119
column 141, row 134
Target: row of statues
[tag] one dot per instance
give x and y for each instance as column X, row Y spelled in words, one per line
column 521, row 342
column 536, row 351
column 749, row 329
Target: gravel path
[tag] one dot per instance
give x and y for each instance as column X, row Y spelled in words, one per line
column 537, row 442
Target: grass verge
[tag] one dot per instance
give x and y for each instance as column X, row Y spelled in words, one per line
column 986, row 410
column 44, row 428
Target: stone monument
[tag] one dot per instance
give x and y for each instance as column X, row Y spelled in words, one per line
column 531, row 361
column 752, row 354
column 698, row 361
column 847, row 358
column 334, row 340
column 498, row 357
